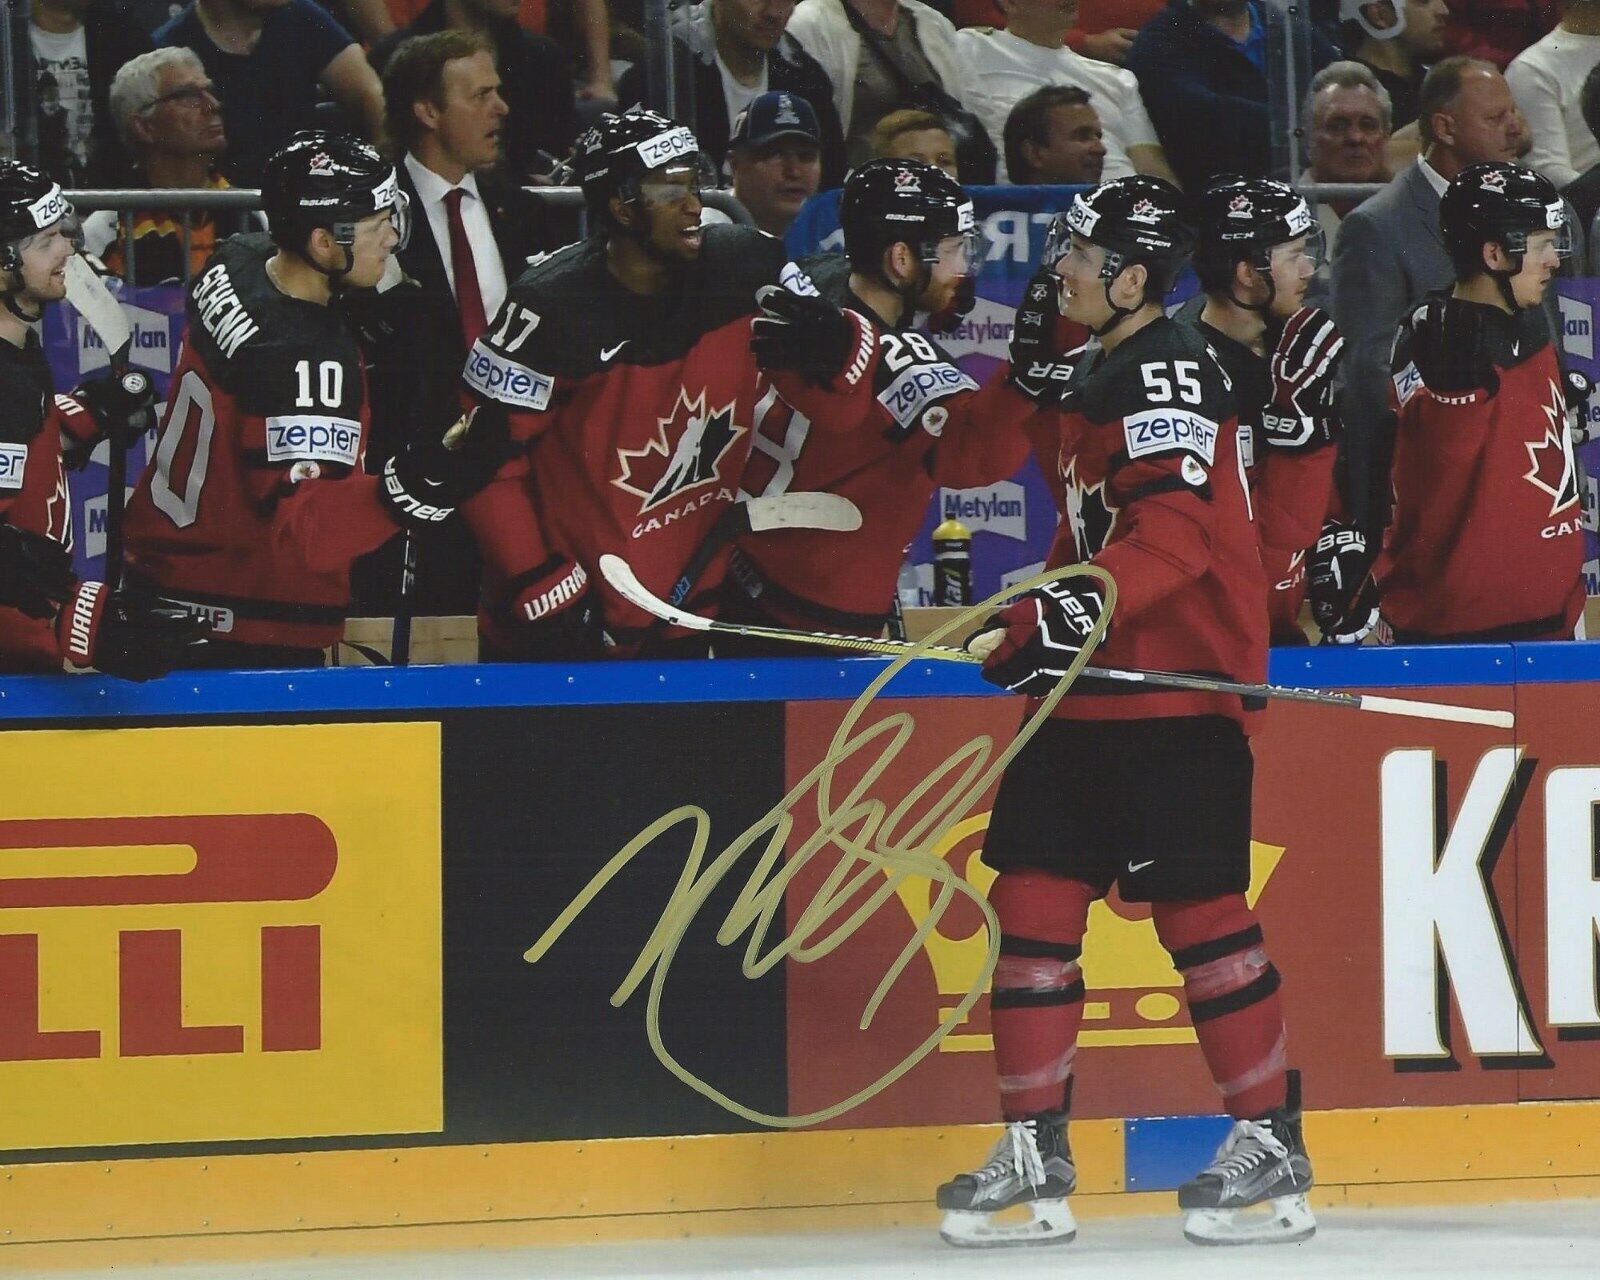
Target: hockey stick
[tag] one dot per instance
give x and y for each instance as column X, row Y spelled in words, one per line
column 626, row 583
column 88, row 294
column 758, row 515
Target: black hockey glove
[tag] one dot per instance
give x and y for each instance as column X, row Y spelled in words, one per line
column 35, row 572
column 1044, row 631
column 130, row 633
column 1580, row 389
column 1344, row 597
column 1038, row 370
column 123, row 408
column 1300, row 415
column 553, row 614
column 426, row 481
column 809, row 335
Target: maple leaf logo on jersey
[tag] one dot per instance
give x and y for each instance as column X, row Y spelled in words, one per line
column 1091, row 517
column 1552, row 468
column 685, row 453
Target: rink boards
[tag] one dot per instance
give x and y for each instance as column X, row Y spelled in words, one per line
column 262, row 952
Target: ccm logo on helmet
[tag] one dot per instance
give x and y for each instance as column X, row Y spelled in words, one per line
column 300, row 437
column 506, row 380
column 1167, row 430
column 13, row 463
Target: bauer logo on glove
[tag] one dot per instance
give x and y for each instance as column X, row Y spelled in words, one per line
column 1028, row 646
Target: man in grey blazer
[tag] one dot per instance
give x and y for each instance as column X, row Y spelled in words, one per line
column 1389, row 255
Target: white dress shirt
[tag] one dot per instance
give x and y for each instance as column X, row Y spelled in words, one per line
column 431, row 191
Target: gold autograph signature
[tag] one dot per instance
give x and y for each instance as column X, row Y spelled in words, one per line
column 879, row 844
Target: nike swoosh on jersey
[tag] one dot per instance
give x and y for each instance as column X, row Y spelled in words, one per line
column 1140, row 866
column 607, row 352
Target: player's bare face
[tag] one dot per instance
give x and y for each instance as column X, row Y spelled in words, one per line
column 376, row 238
column 669, row 211
column 44, row 265
column 1292, row 268
column 1082, row 296
column 1539, row 265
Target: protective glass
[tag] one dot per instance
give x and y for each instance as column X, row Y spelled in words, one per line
column 1303, row 256
column 1057, row 241
column 959, row 255
column 672, row 187
column 400, row 216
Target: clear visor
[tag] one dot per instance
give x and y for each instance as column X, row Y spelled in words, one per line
column 1302, row 257
column 1557, row 240
column 400, row 217
column 959, row 255
column 1057, row 241
column 674, row 184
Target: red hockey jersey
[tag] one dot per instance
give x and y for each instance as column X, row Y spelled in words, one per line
column 36, row 426
column 255, row 503
column 1156, row 494
column 1485, row 541
column 912, row 423
column 637, row 414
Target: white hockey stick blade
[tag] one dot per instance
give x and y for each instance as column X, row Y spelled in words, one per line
column 803, row 511
column 99, row 308
column 619, row 573
column 1438, row 711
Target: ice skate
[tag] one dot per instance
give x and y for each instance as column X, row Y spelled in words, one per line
column 1261, row 1165
column 1030, row 1167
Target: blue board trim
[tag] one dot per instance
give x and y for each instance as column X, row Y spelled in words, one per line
column 381, row 689
column 1163, row 1153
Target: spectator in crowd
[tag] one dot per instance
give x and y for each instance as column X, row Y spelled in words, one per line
column 728, row 53
column 776, row 157
column 1104, row 29
column 1397, row 40
column 271, row 62
column 1497, row 30
column 880, row 56
column 535, row 78
column 1201, row 66
column 76, row 47
column 584, row 28
column 911, row 134
column 999, row 68
column 1584, row 192
column 1054, row 136
column 168, row 116
column 1349, row 111
column 1390, row 253
column 1547, row 79
column 474, row 232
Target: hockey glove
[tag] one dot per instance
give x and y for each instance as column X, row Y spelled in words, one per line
column 1044, row 631
column 809, row 335
column 1344, row 597
column 1579, row 389
column 123, row 408
column 552, row 613
column 129, row 633
column 1300, row 415
column 35, row 572
column 426, row 481
column 1038, row 370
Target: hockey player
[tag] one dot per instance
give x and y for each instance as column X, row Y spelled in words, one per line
column 1147, row 791
column 255, row 503
column 913, row 422
column 53, row 621
column 623, row 366
column 1257, row 247
column 1483, row 543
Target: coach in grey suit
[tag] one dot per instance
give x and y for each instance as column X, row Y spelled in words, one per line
column 1390, row 254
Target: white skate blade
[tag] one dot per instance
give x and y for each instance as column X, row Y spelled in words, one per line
column 1284, row 1220
column 1051, row 1223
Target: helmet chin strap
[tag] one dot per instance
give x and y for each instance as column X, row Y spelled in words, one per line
column 11, row 263
column 14, row 306
column 1263, row 308
column 1108, row 275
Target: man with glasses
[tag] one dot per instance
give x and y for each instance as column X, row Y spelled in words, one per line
column 170, row 119
column 1483, row 542
column 1256, row 249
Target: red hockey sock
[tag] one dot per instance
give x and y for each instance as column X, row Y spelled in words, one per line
column 1232, row 989
column 1037, row 1005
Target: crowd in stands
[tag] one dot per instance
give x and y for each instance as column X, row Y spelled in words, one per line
column 478, row 99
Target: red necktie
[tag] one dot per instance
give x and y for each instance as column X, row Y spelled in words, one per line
column 469, row 298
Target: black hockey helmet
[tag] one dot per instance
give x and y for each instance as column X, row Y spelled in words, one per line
column 611, row 157
column 1241, row 219
column 332, row 181
column 1504, row 203
column 29, row 204
column 1138, row 221
column 887, row 202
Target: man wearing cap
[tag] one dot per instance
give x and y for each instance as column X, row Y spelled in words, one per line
column 776, row 157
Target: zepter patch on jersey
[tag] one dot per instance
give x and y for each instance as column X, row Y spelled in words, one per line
column 1156, row 431
column 13, row 465
column 1407, row 383
column 49, row 208
column 309, row 437
column 504, row 380
column 920, row 386
column 660, row 150
column 795, row 280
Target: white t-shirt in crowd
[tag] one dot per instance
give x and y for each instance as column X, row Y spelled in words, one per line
column 66, row 115
column 1546, row 79
column 739, row 96
column 1000, row 69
